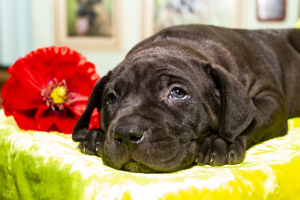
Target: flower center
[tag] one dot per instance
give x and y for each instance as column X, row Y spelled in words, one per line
column 58, row 95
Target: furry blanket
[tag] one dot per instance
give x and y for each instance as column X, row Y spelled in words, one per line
column 42, row 165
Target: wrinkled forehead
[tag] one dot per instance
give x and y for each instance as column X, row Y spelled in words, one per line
column 144, row 71
column 150, row 63
column 147, row 71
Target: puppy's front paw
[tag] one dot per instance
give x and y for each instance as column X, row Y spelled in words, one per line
column 90, row 144
column 215, row 151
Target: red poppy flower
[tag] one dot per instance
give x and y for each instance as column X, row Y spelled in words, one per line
column 49, row 89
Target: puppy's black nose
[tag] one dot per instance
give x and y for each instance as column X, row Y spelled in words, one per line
column 128, row 136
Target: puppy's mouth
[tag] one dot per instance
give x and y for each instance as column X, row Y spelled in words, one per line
column 137, row 167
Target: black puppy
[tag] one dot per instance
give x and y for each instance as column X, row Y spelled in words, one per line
column 194, row 95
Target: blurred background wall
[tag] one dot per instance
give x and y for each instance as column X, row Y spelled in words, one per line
column 26, row 25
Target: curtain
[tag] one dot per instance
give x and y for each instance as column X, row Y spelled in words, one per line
column 15, row 30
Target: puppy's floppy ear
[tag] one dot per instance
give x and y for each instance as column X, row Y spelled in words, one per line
column 80, row 129
column 237, row 108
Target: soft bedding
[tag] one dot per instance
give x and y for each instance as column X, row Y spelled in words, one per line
column 47, row 165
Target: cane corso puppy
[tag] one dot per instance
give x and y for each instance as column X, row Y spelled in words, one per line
column 194, row 94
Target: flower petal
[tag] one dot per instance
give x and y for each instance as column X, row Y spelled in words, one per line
column 66, row 124
column 47, row 120
column 22, row 94
column 77, row 110
column 19, row 95
column 80, row 80
column 25, row 74
column 89, row 78
column 25, row 119
column 95, row 120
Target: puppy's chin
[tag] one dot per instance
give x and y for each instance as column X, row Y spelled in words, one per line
column 133, row 166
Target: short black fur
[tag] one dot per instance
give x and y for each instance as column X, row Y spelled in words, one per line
column 241, row 86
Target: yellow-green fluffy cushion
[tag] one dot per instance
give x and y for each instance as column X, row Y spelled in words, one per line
column 40, row 165
column 298, row 23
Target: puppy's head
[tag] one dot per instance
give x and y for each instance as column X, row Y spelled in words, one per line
column 157, row 106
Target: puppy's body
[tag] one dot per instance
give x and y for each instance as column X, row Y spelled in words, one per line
column 194, row 94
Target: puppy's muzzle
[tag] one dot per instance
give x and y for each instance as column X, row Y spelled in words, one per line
column 128, row 136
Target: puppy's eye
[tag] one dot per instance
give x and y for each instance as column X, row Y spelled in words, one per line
column 111, row 98
column 178, row 93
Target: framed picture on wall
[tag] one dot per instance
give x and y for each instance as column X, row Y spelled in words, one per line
column 159, row 14
column 271, row 10
column 88, row 24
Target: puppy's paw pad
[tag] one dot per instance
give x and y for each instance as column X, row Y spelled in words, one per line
column 218, row 152
column 86, row 148
column 90, row 143
column 215, row 151
column 204, row 153
column 83, row 146
column 236, row 153
column 98, row 148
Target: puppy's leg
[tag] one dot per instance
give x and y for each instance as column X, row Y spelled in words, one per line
column 270, row 120
column 91, row 143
